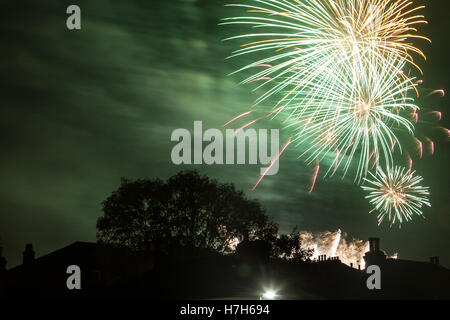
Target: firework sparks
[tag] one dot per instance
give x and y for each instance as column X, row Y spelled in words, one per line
column 338, row 68
column 272, row 163
column 441, row 92
column 420, row 146
column 316, row 173
column 410, row 165
column 439, row 115
column 312, row 35
column 339, row 71
column 357, row 117
column 238, row 117
column 393, row 145
column 432, row 145
column 336, row 243
column 396, row 195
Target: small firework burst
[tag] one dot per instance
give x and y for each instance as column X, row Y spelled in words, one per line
column 396, row 194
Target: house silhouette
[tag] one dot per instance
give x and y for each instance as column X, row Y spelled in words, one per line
column 194, row 273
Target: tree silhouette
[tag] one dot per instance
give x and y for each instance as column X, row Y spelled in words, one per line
column 288, row 247
column 188, row 209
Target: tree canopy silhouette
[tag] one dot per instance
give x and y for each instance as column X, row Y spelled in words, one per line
column 188, row 209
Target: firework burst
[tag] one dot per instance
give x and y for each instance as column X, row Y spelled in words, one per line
column 343, row 75
column 358, row 117
column 396, row 194
column 303, row 39
column 338, row 68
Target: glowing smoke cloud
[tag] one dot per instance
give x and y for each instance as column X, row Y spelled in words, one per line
column 337, row 244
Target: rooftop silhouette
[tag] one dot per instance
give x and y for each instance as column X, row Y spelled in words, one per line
column 197, row 273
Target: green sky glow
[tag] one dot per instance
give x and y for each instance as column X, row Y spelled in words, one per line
column 80, row 109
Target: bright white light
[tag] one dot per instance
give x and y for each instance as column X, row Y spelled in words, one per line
column 269, row 295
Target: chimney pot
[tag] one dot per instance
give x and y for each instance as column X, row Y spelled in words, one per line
column 434, row 260
column 28, row 254
column 374, row 244
column 2, row 261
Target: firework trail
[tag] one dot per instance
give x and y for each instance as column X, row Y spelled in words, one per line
column 272, row 163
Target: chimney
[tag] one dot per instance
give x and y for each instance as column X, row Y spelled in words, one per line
column 374, row 244
column 434, row 260
column 28, row 254
column 2, row 260
column 374, row 256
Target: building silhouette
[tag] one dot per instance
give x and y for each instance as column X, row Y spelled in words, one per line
column 194, row 273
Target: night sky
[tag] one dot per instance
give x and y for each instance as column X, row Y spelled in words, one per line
column 81, row 109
